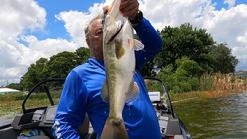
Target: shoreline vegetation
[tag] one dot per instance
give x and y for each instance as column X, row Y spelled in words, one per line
column 11, row 104
column 211, row 86
column 215, row 86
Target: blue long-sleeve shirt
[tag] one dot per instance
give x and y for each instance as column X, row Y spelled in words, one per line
column 82, row 94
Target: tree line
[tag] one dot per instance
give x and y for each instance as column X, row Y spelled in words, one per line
column 187, row 54
column 57, row 66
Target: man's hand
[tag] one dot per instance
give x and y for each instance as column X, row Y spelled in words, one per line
column 129, row 8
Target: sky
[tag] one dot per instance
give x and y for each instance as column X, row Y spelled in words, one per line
column 31, row 29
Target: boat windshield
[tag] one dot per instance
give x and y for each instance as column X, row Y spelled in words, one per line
column 157, row 91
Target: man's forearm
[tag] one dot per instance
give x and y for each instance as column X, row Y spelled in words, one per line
column 70, row 112
column 151, row 40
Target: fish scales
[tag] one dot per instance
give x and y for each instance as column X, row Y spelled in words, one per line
column 119, row 59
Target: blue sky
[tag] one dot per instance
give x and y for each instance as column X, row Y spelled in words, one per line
column 55, row 28
column 220, row 3
column 42, row 28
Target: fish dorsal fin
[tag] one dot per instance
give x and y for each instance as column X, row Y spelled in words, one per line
column 137, row 44
column 133, row 92
column 104, row 92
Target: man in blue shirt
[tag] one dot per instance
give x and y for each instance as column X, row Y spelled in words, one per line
column 82, row 89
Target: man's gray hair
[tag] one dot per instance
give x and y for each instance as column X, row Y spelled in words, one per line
column 88, row 28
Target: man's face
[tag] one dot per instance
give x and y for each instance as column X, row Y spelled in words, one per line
column 96, row 38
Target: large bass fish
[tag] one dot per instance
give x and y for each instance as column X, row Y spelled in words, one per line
column 119, row 58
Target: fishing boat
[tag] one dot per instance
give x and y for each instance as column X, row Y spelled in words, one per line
column 36, row 122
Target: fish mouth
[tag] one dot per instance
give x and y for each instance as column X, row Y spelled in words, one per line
column 106, row 12
column 115, row 34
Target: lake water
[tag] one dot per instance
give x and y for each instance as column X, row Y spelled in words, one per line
column 221, row 118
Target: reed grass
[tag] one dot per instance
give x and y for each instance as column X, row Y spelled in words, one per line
column 229, row 82
column 215, row 86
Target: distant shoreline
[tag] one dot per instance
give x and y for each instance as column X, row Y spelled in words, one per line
column 10, row 104
column 189, row 96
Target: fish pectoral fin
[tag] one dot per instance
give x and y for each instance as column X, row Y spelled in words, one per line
column 104, row 92
column 133, row 92
column 136, row 43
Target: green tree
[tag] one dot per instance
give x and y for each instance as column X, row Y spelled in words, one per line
column 188, row 68
column 61, row 64
column 197, row 45
column 36, row 72
column 184, row 79
column 184, row 41
column 58, row 66
column 222, row 59
column 83, row 54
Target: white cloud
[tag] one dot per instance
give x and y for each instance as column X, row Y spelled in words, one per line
column 176, row 12
column 226, row 25
column 76, row 22
column 242, row 38
column 28, row 15
column 16, row 56
column 16, row 16
column 230, row 26
column 242, row 56
column 230, row 3
column 44, row 48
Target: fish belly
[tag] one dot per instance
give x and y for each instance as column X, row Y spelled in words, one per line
column 120, row 68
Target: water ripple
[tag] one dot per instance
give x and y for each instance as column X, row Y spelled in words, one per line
column 215, row 118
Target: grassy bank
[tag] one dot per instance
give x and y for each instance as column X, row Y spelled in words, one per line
column 202, row 94
column 11, row 104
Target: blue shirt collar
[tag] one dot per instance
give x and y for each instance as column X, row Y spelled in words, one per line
column 97, row 62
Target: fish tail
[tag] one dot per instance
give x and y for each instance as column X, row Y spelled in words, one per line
column 114, row 129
